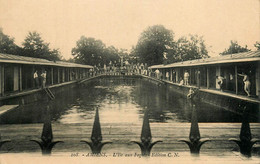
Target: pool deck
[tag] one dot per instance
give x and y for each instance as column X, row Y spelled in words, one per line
column 218, row 149
column 214, row 91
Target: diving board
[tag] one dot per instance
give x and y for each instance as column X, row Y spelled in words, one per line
column 6, row 108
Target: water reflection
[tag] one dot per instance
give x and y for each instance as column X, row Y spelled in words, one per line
column 119, row 101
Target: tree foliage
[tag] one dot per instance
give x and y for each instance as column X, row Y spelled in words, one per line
column 34, row 46
column 94, row 52
column 7, row 44
column 156, row 45
column 152, row 44
column 188, row 48
column 234, row 48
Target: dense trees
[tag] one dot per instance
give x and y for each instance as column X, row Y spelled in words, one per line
column 156, row 45
column 94, row 52
column 34, row 46
column 188, row 48
column 234, row 48
column 7, row 44
column 152, row 44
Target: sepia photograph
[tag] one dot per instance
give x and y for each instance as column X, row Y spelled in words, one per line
column 129, row 81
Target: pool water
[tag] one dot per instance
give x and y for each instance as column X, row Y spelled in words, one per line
column 119, row 100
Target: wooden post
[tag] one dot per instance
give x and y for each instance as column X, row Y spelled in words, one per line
column 63, row 74
column 258, row 80
column 68, row 72
column 207, row 77
column 170, row 73
column 71, row 78
column 198, row 77
column 16, row 78
column 77, row 73
column 177, row 75
column 58, row 71
column 52, row 81
column 20, row 79
column 236, row 79
column 2, row 80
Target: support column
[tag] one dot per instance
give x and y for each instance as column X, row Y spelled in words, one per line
column 63, row 75
column 52, row 82
column 16, row 78
column 198, row 78
column 170, row 73
column 207, row 77
column 77, row 73
column 258, row 80
column 58, row 74
column 2, row 80
column 20, row 79
column 177, row 75
column 236, row 79
column 68, row 72
column 71, row 78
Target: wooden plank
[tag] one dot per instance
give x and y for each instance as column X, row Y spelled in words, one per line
column 6, row 108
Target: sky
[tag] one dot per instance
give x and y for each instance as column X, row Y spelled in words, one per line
column 120, row 22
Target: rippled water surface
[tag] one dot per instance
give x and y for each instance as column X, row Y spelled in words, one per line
column 119, row 101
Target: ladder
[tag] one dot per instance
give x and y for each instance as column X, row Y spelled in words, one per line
column 49, row 93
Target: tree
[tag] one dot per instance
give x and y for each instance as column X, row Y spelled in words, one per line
column 94, row 52
column 257, row 45
column 88, row 51
column 156, row 46
column 34, row 46
column 7, row 44
column 234, row 48
column 111, row 55
column 190, row 48
column 152, row 43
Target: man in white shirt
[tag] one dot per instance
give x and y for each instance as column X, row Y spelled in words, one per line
column 157, row 72
column 186, row 78
column 43, row 75
column 36, row 79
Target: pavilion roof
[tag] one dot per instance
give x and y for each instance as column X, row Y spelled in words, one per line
column 231, row 58
column 15, row 59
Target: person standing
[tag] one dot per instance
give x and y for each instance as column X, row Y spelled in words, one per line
column 247, row 83
column 220, row 81
column 167, row 76
column 43, row 75
column 157, row 72
column 36, row 79
column 186, row 78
